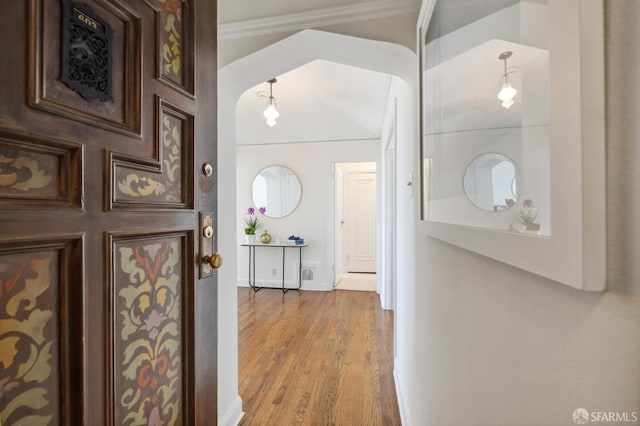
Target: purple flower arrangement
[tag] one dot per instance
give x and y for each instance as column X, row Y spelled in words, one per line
column 252, row 221
column 528, row 213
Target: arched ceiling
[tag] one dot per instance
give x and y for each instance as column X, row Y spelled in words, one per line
column 319, row 101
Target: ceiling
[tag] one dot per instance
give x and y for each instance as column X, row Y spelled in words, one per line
column 468, row 84
column 237, row 11
column 450, row 15
column 320, row 101
column 325, row 101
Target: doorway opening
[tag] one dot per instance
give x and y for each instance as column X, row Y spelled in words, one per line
column 238, row 76
column 354, row 221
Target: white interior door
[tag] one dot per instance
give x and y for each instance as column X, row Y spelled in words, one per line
column 360, row 226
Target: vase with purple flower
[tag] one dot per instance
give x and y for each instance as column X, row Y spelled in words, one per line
column 252, row 224
column 527, row 216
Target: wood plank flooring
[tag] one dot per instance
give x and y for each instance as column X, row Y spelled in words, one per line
column 315, row 358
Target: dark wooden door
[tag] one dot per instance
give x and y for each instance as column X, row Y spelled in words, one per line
column 107, row 118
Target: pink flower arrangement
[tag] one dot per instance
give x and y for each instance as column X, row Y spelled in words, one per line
column 252, row 221
column 528, row 213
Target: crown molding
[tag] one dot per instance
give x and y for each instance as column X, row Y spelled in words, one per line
column 316, row 18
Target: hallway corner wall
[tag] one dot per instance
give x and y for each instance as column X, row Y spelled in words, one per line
column 487, row 343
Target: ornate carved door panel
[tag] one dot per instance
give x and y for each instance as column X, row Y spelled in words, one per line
column 107, row 115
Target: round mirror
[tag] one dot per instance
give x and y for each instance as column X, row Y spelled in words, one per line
column 492, row 182
column 277, row 189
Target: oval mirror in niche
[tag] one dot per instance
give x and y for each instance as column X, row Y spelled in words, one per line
column 492, row 182
column 278, row 189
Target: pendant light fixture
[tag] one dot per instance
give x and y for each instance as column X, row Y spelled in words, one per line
column 271, row 113
column 507, row 92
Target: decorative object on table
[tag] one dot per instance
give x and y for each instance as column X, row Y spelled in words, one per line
column 253, row 223
column 295, row 240
column 528, row 214
column 265, row 237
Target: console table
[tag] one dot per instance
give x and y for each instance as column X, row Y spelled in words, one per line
column 252, row 263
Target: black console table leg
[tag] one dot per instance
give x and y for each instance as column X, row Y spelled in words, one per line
column 300, row 269
column 283, row 289
column 252, row 269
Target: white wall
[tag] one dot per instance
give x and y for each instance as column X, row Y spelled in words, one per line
column 406, row 216
column 483, row 343
column 385, row 277
column 312, row 220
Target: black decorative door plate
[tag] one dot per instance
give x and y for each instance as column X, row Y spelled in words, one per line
column 87, row 49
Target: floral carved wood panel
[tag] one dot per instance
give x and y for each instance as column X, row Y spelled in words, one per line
column 22, row 172
column 37, row 172
column 163, row 183
column 172, row 39
column 174, row 29
column 148, row 368
column 29, row 349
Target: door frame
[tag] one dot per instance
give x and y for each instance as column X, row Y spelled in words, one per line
column 337, row 223
column 337, row 246
column 388, row 217
column 237, row 77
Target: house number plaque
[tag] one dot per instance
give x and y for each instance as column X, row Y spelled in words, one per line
column 87, row 48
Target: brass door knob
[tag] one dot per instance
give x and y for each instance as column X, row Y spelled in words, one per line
column 215, row 260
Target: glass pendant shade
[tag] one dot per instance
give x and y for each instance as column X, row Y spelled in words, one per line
column 507, row 104
column 271, row 113
column 507, row 92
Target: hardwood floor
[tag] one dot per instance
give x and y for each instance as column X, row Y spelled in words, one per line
column 315, row 358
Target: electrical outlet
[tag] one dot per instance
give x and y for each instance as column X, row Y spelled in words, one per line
column 274, row 272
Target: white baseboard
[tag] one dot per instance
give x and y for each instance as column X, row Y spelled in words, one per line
column 233, row 415
column 309, row 286
column 312, row 286
column 402, row 403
